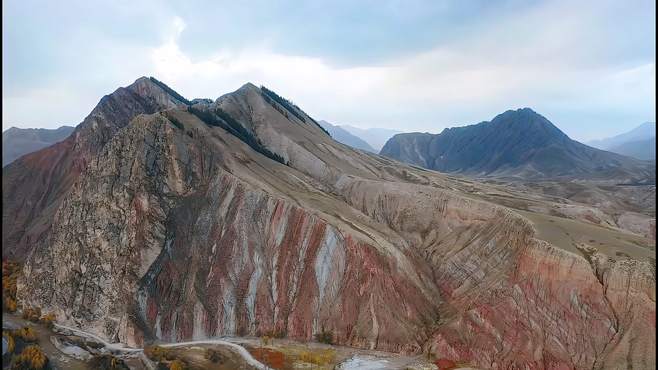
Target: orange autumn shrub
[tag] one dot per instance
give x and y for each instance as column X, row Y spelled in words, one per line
column 157, row 353
column 177, row 365
column 27, row 334
column 9, row 304
column 48, row 320
column 32, row 358
column 11, row 344
column 32, row 314
column 10, row 272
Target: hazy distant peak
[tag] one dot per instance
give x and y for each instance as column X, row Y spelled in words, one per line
column 17, row 142
column 645, row 131
column 343, row 136
column 376, row 137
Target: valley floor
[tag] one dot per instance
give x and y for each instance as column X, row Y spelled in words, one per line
column 235, row 353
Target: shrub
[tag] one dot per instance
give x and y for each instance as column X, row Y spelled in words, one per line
column 177, row 365
column 157, row 353
column 265, row 340
column 319, row 357
column 213, row 356
column 32, row 314
column 170, row 91
column 9, row 304
column 27, row 334
column 48, row 320
column 174, row 121
column 11, row 344
column 108, row 362
column 32, row 358
column 325, row 336
column 220, row 118
column 271, row 96
column 10, row 272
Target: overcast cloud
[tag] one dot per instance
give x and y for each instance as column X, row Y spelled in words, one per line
column 588, row 66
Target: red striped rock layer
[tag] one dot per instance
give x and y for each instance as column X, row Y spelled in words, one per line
column 256, row 265
column 511, row 301
column 235, row 259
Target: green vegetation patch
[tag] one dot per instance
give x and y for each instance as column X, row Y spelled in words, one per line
column 270, row 97
column 170, row 91
column 220, row 118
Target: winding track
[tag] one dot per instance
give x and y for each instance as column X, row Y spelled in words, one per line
column 121, row 348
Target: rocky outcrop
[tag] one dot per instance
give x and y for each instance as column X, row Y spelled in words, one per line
column 178, row 229
column 34, row 185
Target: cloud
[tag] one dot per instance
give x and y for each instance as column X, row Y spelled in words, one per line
column 561, row 58
column 444, row 86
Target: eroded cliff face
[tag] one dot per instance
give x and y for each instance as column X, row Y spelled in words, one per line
column 194, row 252
column 178, row 230
column 34, row 185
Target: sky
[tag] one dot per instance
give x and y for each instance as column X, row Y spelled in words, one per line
column 587, row 66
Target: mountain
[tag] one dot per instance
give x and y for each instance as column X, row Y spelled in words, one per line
column 20, row 141
column 640, row 149
column 164, row 219
column 29, row 205
column 518, row 143
column 639, row 143
column 343, row 136
column 643, row 132
column 375, row 137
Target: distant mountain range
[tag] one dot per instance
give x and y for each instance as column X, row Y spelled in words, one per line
column 17, row 142
column 518, row 143
column 343, row 136
column 639, row 142
column 641, row 149
column 376, row 137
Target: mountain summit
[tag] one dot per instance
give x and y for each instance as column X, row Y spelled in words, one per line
column 516, row 143
column 25, row 222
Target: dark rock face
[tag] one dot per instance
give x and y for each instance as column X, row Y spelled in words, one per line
column 515, row 143
column 176, row 229
column 17, row 142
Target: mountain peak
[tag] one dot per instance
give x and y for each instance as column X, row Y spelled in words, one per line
column 517, row 142
column 527, row 120
column 249, row 86
column 152, row 87
column 526, row 114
